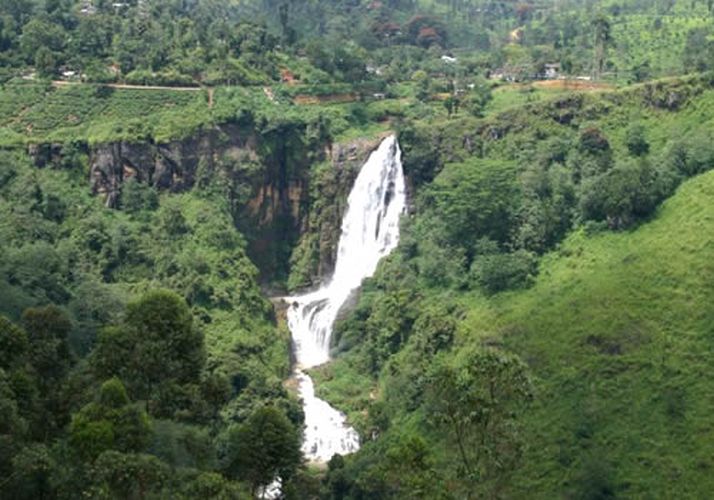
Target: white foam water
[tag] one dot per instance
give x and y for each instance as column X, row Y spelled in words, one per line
column 370, row 231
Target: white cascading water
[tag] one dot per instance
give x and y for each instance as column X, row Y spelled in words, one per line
column 370, row 230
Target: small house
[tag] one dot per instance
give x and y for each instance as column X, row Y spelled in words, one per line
column 505, row 74
column 551, row 71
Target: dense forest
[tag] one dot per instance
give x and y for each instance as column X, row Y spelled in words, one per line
column 257, row 42
column 170, row 170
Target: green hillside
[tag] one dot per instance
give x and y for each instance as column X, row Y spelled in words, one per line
column 608, row 308
column 31, row 112
column 617, row 331
column 616, row 334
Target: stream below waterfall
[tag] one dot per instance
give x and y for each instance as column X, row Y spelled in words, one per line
column 370, row 230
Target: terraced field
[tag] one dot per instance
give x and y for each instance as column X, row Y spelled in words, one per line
column 32, row 112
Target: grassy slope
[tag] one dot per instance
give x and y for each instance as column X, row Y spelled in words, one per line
column 639, row 41
column 36, row 113
column 618, row 332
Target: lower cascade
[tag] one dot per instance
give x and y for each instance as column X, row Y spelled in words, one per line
column 370, row 230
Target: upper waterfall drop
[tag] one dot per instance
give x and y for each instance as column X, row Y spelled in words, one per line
column 370, row 231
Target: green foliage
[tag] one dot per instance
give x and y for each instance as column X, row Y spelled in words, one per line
column 183, row 446
column 93, row 113
column 602, row 323
column 14, row 343
column 690, row 155
column 48, row 332
column 496, row 272
column 636, row 141
column 475, row 199
column 622, row 195
column 33, row 466
column 110, row 423
column 478, row 97
column 266, row 446
column 698, row 49
column 193, row 484
column 13, row 427
column 478, row 401
column 155, row 348
column 59, row 245
column 588, row 324
column 137, row 196
column 128, row 475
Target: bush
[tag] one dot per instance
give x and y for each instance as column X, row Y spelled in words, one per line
column 630, row 191
column 692, row 155
column 593, row 141
column 636, row 141
column 168, row 77
column 265, row 446
column 503, row 271
column 137, row 196
column 475, row 199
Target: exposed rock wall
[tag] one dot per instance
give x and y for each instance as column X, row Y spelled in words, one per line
column 287, row 195
column 167, row 166
column 265, row 176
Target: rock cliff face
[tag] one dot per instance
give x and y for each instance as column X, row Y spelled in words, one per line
column 264, row 183
column 287, row 195
column 167, row 166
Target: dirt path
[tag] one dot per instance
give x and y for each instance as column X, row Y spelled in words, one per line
column 326, row 98
column 564, row 84
column 62, row 83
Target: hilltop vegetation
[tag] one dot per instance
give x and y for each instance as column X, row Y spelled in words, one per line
column 260, row 42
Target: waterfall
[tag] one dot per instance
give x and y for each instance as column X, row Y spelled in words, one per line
column 370, row 230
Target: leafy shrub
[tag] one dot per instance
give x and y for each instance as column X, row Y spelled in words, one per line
column 691, row 155
column 167, row 77
column 636, row 141
column 137, row 196
column 496, row 272
column 475, row 199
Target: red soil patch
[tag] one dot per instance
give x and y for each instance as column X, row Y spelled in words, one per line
column 583, row 85
column 321, row 99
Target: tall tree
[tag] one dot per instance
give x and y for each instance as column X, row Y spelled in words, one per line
column 48, row 331
column 265, row 447
column 603, row 38
column 110, row 422
column 155, row 349
column 477, row 400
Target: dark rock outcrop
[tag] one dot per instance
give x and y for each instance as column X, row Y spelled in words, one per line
column 169, row 166
column 270, row 212
column 44, row 155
